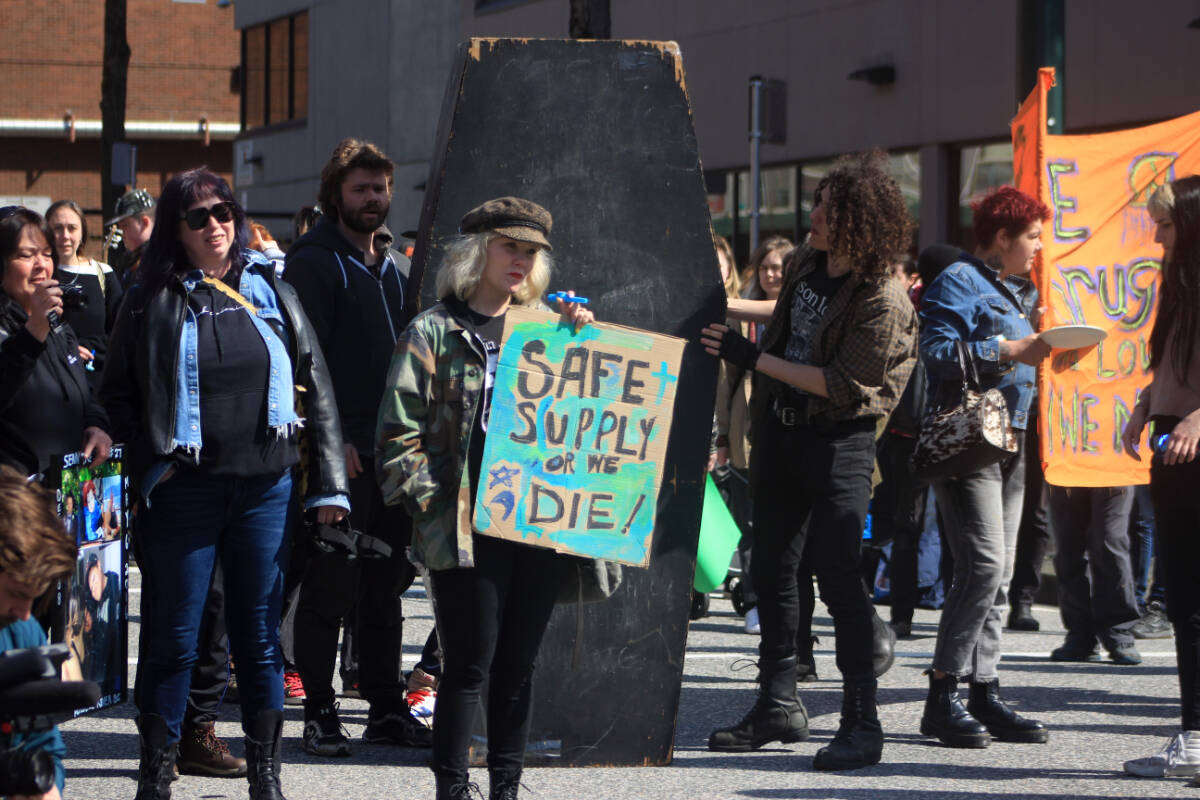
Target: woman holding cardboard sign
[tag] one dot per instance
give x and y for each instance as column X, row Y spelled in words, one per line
column 492, row 598
column 836, row 356
column 1172, row 403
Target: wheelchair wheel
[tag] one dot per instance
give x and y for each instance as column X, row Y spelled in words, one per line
column 737, row 596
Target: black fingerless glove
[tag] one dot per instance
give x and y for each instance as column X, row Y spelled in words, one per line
column 738, row 350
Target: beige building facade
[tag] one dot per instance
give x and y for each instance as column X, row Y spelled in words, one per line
column 958, row 69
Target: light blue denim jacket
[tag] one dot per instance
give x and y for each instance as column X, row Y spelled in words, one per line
column 969, row 301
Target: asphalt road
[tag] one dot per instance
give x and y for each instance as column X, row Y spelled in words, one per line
column 1099, row 715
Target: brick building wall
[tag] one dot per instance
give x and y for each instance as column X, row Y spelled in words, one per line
column 181, row 68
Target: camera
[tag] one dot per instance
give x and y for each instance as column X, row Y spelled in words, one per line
column 74, row 297
column 33, row 699
column 341, row 538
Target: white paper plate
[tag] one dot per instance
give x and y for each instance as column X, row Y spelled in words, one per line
column 1070, row 337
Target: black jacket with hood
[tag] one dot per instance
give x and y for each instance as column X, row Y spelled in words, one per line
column 357, row 313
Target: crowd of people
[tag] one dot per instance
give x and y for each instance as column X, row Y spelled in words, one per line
column 300, row 447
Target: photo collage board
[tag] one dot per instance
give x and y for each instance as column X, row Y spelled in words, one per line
column 92, row 610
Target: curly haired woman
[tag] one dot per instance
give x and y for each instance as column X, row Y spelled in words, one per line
column 835, row 357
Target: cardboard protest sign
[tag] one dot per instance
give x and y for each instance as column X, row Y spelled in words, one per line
column 577, row 436
column 1099, row 266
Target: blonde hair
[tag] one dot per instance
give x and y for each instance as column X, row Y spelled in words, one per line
column 466, row 256
column 1162, row 201
column 733, row 283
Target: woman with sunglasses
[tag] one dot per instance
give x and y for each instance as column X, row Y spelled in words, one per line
column 211, row 366
column 46, row 407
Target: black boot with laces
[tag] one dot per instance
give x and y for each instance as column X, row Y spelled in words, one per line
column 777, row 715
column 859, row 739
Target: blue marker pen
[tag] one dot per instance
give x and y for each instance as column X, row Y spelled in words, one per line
column 583, row 301
column 1159, row 443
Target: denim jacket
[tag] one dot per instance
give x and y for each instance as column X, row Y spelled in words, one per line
column 969, row 301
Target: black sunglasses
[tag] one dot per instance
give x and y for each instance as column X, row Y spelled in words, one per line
column 197, row 218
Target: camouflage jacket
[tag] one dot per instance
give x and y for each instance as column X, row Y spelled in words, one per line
column 423, row 434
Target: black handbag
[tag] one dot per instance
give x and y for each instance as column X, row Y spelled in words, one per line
column 964, row 437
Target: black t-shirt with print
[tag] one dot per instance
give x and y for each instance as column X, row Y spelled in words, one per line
column 234, row 368
column 488, row 331
column 808, row 304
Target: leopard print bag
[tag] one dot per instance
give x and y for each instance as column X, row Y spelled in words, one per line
column 964, row 437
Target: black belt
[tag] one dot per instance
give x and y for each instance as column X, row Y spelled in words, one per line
column 789, row 416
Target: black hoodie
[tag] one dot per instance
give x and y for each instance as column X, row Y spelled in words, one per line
column 357, row 312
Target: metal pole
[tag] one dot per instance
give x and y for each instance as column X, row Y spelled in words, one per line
column 756, row 84
column 133, row 166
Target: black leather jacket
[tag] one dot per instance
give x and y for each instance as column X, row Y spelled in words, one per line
column 138, row 389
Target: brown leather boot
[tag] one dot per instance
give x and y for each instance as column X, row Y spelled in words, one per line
column 201, row 752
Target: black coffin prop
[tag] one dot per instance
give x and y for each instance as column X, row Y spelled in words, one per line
column 600, row 133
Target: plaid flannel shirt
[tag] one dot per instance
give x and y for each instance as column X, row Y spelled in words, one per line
column 866, row 344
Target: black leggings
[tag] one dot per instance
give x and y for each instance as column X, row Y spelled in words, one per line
column 1176, row 517
column 490, row 620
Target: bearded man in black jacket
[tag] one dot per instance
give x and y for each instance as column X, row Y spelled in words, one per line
column 352, row 286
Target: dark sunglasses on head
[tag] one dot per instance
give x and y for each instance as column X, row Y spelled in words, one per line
column 197, row 218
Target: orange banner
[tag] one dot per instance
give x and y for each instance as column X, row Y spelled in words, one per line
column 1099, row 266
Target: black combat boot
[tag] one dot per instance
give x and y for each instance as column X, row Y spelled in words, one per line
column 504, row 785
column 263, row 735
column 456, row 787
column 883, row 645
column 1021, row 618
column 777, row 715
column 156, row 769
column 947, row 719
column 859, row 738
column 985, row 705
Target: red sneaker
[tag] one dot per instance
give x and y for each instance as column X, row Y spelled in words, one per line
column 293, row 689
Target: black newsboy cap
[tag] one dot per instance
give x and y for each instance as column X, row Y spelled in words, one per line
column 523, row 220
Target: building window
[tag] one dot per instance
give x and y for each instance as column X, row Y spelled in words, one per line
column 275, row 72
column 981, row 168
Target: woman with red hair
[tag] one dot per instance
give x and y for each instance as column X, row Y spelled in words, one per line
column 987, row 302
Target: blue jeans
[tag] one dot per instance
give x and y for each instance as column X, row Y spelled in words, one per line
column 191, row 521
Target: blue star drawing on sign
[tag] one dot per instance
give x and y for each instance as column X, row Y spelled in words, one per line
column 506, row 501
column 502, row 476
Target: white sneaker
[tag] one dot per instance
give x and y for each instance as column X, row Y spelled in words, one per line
column 1180, row 757
column 752, row 625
